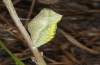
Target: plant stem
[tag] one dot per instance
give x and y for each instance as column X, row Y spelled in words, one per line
column 16, row 19
column 30, row 12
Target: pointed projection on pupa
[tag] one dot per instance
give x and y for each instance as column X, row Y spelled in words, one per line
column 43, row 27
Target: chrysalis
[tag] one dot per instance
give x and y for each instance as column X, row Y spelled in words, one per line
column 42, row 28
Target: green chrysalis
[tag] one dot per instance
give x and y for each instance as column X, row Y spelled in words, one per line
column 42, row 28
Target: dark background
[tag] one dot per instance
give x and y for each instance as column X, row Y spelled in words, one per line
column 81, row 20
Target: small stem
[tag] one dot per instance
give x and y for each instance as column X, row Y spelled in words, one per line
column 30, row 12
column 23, row 31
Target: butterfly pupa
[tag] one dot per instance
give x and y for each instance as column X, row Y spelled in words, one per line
column 42, row 28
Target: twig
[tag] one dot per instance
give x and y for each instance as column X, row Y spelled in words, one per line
column 49, row 59
column 23, row 31
column 30, row 12
column 16, row 1
column 78, row 44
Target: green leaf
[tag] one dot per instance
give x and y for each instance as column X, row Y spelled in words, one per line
column 43, row 27
column 18, row 61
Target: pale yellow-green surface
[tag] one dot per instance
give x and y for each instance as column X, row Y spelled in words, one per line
column 43, row 27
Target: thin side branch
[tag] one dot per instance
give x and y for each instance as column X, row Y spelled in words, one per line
column 30, row 12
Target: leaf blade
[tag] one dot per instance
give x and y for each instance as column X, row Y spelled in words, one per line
column 17, row 61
